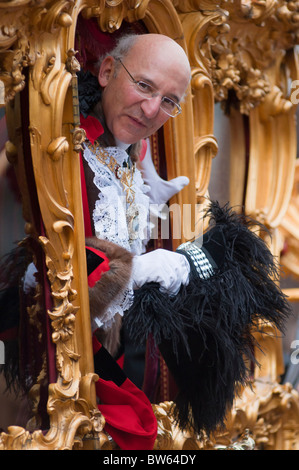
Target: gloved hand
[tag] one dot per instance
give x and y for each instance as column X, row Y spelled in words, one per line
column 160, row 190
column 169, row 269
column 29, row 278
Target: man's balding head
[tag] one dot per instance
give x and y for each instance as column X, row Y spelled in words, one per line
column 155, row 59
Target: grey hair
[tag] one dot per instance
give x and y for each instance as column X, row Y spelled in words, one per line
column 122, row 48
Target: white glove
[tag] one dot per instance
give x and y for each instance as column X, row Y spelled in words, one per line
column 29, row 278
column 169, row 269
column 160, row 190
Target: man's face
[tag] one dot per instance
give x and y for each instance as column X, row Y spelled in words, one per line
column 129, row 116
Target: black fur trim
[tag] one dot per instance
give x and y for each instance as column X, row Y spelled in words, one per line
column 205, row 332
column 89, row 91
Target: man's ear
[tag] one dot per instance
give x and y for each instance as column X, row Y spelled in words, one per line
column 106, row 70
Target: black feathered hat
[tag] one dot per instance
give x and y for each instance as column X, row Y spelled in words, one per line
column 204, row 333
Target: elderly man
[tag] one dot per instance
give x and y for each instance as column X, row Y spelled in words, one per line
column 142, row 82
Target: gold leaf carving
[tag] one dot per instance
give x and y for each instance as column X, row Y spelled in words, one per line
column 62, row 315
column 79, row 136
column 56, row 16
column 58, row 147
column 21, row 20
column 117, row 10
column 238, row 58
column 250, row 84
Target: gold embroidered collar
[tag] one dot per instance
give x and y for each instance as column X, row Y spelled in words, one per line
column 124, row 173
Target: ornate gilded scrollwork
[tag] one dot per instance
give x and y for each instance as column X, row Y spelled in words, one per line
column 269, row 410
column 238, row 55
column 199, row 26
column 111, row 13
column 25, row 20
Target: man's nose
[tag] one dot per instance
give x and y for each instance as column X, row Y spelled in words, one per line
column 151, row 107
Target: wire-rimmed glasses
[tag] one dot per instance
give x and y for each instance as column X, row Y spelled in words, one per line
column 147, row 91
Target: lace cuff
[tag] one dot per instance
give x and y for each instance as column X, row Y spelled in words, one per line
column 120, row 304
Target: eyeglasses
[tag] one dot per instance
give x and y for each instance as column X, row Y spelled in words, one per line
column 147, row 92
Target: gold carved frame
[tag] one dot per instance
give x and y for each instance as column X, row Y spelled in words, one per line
column 244, row 49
